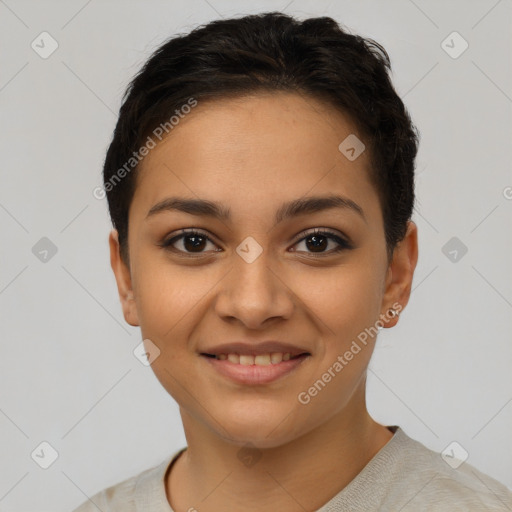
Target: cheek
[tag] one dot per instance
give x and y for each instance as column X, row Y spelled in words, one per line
column 346, row 300
column 166, row 296
column 169, row 305
column 345, row 306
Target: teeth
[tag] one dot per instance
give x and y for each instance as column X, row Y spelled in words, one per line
column 234, row 358
column 259, row 360
column 246, row 360
column 276, row 357
column 262, row 359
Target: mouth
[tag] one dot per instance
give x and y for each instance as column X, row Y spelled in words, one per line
column 250, row 369
column 270, row 358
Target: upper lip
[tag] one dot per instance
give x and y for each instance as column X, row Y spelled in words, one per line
column 255, row 348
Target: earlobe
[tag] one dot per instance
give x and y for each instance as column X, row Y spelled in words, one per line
column 390, row 317
column 123, row 280
column 400, row 275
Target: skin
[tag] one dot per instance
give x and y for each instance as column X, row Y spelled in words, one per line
column 252, row 154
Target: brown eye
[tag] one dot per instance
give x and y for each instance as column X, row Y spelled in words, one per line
column 188, row 242
column 317, row 241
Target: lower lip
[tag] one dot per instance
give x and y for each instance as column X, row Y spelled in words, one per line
column 254, row 374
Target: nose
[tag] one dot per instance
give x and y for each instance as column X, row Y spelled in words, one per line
column 254, row 293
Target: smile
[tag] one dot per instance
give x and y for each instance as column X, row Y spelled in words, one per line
column 254, row 369
column 259, row 359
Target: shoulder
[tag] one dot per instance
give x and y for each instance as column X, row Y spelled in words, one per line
column 127, row 494
column 428, row 481
column 114, row 497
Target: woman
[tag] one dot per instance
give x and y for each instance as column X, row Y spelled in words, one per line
column 261, row 184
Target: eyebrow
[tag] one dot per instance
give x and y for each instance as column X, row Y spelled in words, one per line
column 302, row 206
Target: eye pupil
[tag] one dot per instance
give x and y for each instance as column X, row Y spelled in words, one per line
column 316, row 244
column 198, row 242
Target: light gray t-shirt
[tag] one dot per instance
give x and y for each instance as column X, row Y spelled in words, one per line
column 403, row 476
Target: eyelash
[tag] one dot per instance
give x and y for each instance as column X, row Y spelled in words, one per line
column 342, row 243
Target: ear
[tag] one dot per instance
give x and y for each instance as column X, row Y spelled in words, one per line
column 399, row 276
column 123, row 279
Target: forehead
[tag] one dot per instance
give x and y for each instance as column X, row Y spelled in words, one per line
column 257, row 150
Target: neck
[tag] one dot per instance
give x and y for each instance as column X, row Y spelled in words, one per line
column 211, row 476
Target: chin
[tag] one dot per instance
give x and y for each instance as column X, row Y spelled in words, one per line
column 256, row 439
column 260, row 427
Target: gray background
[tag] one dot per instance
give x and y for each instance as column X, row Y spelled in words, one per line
column 68, row 374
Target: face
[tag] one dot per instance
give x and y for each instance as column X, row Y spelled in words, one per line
column 310, row 280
